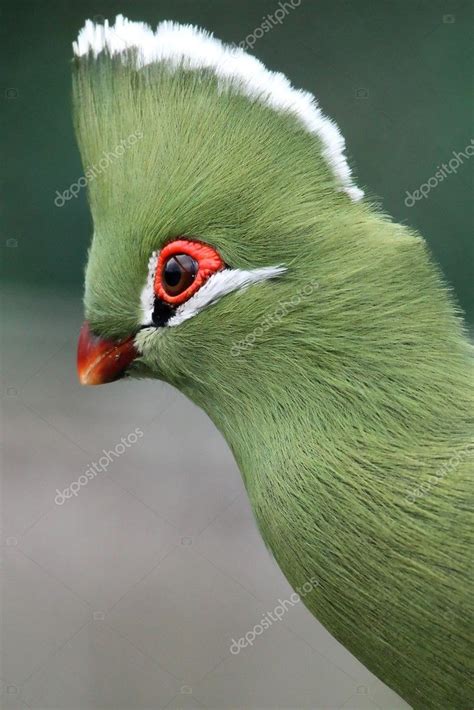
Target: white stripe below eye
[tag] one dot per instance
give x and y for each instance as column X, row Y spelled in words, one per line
column 220, row 284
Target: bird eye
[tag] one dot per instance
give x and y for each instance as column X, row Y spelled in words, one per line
column 178, row 274
column 183, row 266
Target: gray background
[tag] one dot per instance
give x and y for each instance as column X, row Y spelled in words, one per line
column 128, row 595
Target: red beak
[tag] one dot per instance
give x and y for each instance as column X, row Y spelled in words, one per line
column 99, row 360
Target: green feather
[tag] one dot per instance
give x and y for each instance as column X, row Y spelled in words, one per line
column 344, row 388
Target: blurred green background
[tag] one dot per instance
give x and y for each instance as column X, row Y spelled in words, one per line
column 394, row 75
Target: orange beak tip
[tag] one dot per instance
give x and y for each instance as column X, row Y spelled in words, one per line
column 100, row 360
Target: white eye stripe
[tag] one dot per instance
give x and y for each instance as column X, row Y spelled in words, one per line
column 219, row 284
column 147, row 297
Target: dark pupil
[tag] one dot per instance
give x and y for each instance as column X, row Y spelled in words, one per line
column 178, row 274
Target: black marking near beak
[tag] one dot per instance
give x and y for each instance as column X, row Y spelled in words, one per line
column 162, row 312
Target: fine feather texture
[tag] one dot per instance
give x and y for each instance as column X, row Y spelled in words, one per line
column 344, row 387
column 185, row 45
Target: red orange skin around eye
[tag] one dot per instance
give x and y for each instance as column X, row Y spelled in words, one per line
column 208, row 261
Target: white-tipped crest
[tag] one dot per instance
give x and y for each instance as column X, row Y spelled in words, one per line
column 193, row 48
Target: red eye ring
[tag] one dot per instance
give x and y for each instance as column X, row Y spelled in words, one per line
column 205, row 257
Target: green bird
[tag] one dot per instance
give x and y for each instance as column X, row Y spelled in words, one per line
column 234, row 257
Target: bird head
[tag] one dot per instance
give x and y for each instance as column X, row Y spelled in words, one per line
column 231, row 252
